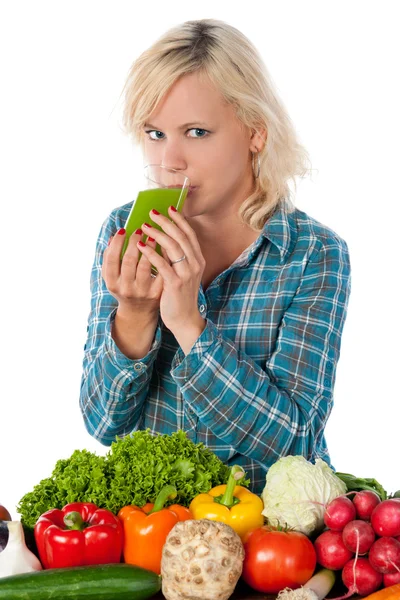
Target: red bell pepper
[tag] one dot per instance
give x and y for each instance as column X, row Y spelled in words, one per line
column 77, row 535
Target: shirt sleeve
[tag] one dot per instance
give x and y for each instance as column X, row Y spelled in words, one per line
column 113, row 386
column 282, row 409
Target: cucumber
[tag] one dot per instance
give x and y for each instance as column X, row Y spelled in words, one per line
column 100, row 582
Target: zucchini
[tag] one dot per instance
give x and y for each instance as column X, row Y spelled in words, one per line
column 100, row 582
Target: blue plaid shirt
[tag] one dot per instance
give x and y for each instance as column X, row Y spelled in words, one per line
column 258, row 382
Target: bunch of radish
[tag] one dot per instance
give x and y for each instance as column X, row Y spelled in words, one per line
column 363, row 541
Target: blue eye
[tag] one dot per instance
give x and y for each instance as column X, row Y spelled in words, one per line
column 157, row 134
column 200, row 132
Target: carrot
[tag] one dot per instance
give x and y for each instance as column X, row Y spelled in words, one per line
column 389, row 593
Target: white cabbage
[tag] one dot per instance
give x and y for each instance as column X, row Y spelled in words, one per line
column 296, row 493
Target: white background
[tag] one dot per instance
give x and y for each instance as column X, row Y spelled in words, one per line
column 65, row 165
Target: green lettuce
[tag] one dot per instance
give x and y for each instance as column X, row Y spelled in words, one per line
column 132, row 472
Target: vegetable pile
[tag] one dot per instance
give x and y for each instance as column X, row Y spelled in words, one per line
column 134, row 471
column 362, row 541
column 162, row 504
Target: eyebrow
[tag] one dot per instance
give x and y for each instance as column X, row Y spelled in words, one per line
column 185, row 126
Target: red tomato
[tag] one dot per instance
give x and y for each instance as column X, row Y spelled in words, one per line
column 275, row 560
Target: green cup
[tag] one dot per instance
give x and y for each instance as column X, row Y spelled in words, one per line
column 165, row 187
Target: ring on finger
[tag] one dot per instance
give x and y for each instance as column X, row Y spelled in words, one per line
column 179, row 260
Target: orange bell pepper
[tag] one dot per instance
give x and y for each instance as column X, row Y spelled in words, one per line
column 146, row 529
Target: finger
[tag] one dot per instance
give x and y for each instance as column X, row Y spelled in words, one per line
column 186, row 236
column 104, row 257
column 151, row 243
column 165, row 255
column 111, row 262
column 174, row 248
column 164, row 269
column 131, row 256
column 180, row 221
column 144, row 268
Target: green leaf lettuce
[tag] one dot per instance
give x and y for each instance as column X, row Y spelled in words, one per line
column 132, row 472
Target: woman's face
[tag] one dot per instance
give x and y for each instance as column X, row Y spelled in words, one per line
column 196, row 132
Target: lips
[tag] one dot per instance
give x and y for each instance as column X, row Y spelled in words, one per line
column 191, row 187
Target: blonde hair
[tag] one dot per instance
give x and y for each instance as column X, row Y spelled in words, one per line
column 232, row 63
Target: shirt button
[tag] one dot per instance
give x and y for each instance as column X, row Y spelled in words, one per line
column 329, row 366
column 327, row 381
column 202, row 308
column 138, row 366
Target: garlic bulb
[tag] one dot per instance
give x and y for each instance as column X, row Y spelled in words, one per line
column 16, row 558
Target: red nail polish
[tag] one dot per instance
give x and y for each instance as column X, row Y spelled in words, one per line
column 139, row 231
column 173, row 209
column 151, row 239
column 147, row 225
column 154, row 211
column 141, row 244
column 121, row 231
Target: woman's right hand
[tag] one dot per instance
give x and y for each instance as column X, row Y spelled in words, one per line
column 130, row 280
column 137, row 292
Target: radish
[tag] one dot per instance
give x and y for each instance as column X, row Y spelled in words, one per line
column 331, row 551
column 384, row 555
column 365, row 503
column 339, row 512
column 391, row 579
column 385, row 518
column 360, row 577
column 358, row 536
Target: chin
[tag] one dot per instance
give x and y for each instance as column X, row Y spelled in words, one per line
column 192, row 206
column 191, row 213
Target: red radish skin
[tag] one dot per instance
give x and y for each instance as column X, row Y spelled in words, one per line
column 358, row 536
column 339, row 512
column 384, row 555
column 391, row 579
column 331, row 551
column 385, row 518
column 365, row 502
column 360, row 578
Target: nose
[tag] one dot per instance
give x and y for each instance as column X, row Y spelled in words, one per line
column 173, row 156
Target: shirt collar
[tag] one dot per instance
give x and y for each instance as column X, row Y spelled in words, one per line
column 281, row 229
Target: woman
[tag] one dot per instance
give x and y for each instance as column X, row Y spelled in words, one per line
column 237, row 338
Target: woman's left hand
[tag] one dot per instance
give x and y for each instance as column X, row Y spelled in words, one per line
column 181, row 281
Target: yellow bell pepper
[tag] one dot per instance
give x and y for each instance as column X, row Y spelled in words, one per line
column 231, row 504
